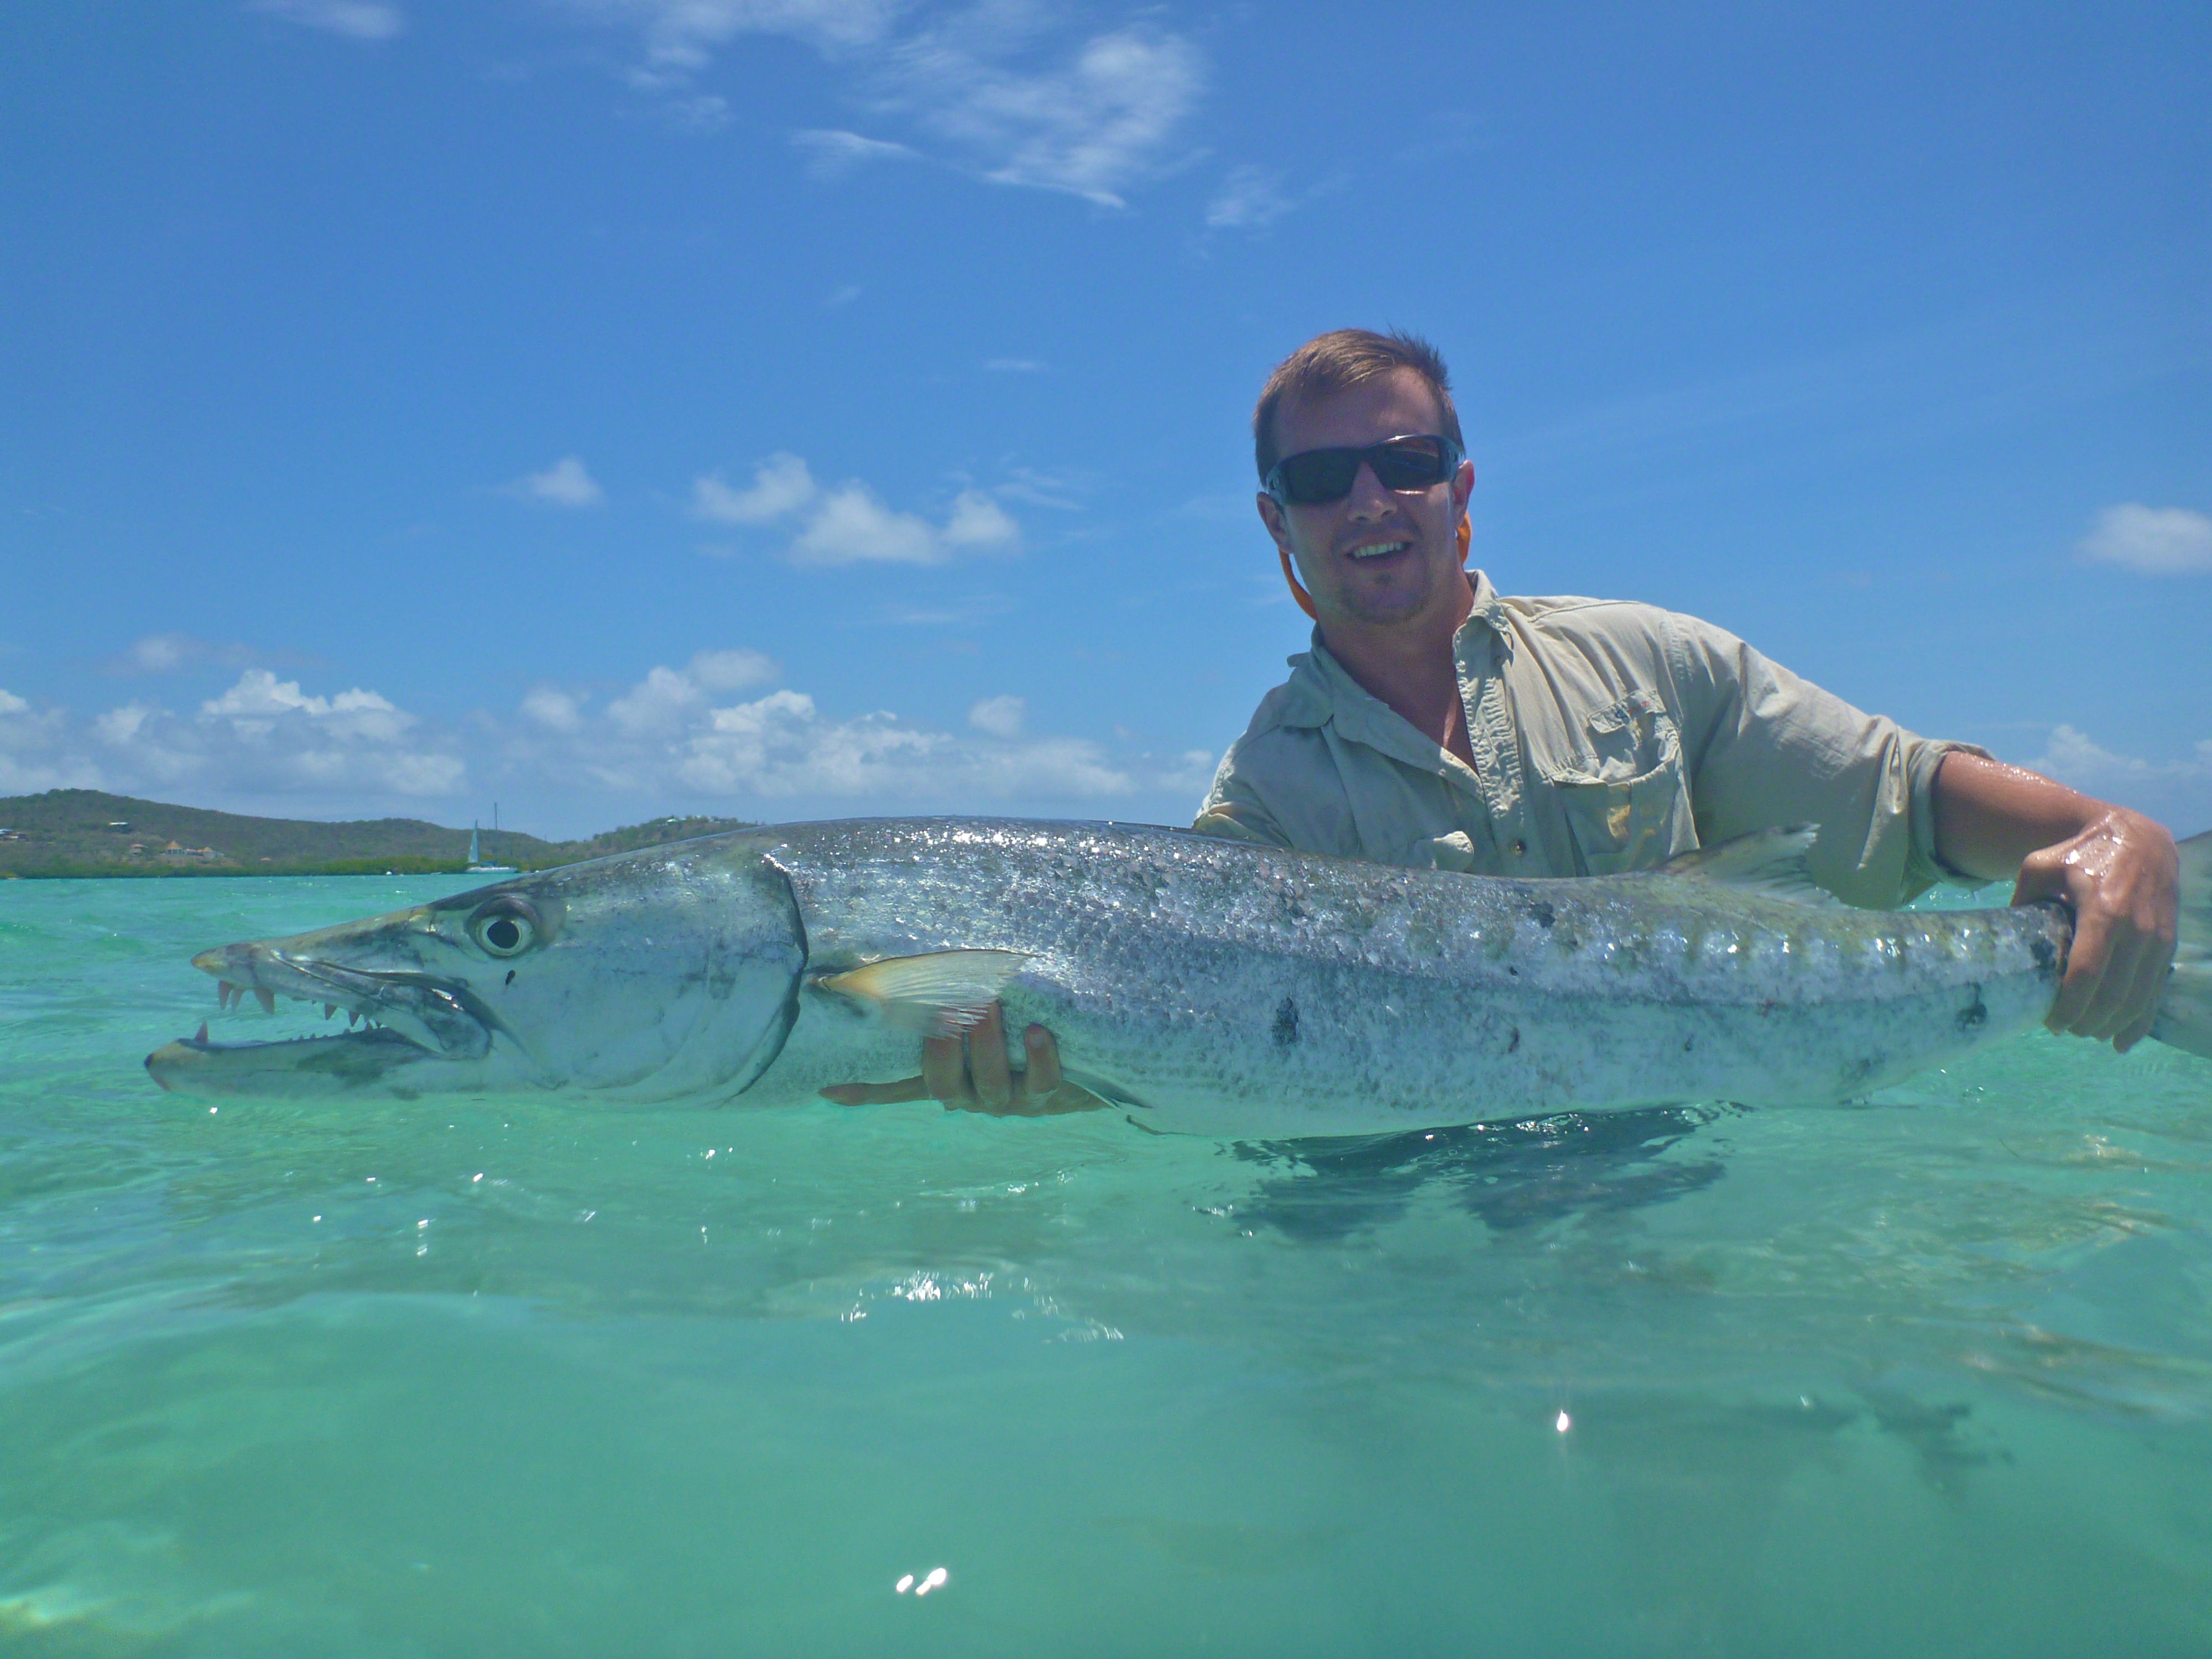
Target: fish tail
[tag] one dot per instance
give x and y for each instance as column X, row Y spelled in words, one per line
column 2184, row 1011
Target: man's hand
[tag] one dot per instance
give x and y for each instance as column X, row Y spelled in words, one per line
column 969, row 1073
column 2122, row 875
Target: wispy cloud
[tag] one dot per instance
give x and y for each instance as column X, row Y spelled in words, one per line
column 2178, row 792
column 1001, row 717
column 1093, row 127
column 170, row 653
column 849, row 524
column 2152, row 541
column 357, row 20
column 831, row 154
column 1015, row 366
column 1002, row 91
column 1251, row 198
column 682, row 36
column 566, row 482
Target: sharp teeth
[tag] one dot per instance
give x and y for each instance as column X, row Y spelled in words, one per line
column 202, row 1037
column 329, row 1008
column 224, row 991
column 266, row 999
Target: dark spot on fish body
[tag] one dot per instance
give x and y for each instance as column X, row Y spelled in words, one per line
column 1515, row 1043
column 1543, row 913
column 1689, row 1043
column 1976, row 1016
column 2045, row 952
column 509, row 979
column 1286, row 1023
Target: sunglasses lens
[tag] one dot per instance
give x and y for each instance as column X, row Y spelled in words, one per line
column 1319, row 475
column 1410, row 464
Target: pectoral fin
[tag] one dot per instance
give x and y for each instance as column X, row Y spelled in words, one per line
column 1769, row 861
column 941, row 993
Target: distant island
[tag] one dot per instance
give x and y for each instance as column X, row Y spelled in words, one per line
column 84, row 832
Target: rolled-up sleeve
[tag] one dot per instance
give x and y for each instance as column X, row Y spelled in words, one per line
column 1765, row 748
column 1232, row 810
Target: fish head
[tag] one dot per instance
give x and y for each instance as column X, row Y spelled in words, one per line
column 650, row 975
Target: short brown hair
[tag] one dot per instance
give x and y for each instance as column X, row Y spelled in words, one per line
column 1344, row 357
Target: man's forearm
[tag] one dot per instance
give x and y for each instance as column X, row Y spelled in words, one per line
column 1990, row 815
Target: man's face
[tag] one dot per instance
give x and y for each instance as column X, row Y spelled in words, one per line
column 1380, row 557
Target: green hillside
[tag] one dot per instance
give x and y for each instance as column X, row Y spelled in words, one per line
column 84, row 832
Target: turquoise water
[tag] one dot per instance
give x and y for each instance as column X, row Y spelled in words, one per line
column 1927, row 1375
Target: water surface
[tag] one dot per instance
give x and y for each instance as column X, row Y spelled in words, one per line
column 1928, row 1374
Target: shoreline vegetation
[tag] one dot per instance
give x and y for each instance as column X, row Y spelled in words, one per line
column 80, row 833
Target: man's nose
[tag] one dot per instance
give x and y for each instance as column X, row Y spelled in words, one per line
column 1368, row 498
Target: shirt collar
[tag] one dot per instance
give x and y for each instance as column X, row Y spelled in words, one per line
column 1320, row 689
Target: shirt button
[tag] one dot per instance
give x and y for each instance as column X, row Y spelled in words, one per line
column 1520, row 847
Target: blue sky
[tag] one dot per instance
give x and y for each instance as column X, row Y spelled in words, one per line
column 783, row 408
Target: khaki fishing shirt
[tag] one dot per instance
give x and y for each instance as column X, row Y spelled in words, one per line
column 1607, row 736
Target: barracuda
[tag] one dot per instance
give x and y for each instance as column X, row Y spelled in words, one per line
column 1206, row 986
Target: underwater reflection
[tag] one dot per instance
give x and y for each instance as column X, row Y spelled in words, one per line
column 1513, row 1176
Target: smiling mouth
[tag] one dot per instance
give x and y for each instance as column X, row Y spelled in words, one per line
column 1378, row 550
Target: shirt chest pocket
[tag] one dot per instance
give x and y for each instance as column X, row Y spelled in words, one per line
column 1626, row 800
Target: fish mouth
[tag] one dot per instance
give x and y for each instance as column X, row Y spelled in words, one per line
column 440, row 1018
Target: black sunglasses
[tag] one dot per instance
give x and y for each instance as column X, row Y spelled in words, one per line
column 1418, row 461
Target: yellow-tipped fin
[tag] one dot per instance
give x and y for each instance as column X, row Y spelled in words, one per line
column 943, row 992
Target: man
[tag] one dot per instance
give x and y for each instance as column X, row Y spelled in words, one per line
column 1437, row 724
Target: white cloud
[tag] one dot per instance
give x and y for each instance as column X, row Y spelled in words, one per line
column 1251, row 198
column 38, row 750
column 357, row 20
column 832, row 153
column 1015, row 366
column 681, row 35
column 566, row 482
column 169, row 653
column 707, row 732
column 1001, row 717
column 159, row 654
column 849, row 525
column 262, row 736
column 1093, row 129
column 2169, row 540
column 665, row 736
column 781, row 484
column 977, row 521
column 2179, row 793
column 553, row 708
column 981, row 80
column 666, row 697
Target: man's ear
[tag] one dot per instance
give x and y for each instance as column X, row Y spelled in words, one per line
column 1271, row 514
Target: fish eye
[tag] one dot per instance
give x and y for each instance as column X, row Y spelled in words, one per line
column 504, row 926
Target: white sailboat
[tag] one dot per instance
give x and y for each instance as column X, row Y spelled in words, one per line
column 476, row 865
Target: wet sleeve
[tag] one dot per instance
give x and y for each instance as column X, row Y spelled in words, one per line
column 1766, row 748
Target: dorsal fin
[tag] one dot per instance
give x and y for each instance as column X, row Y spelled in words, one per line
column 942, row 992
column 1769, row 861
